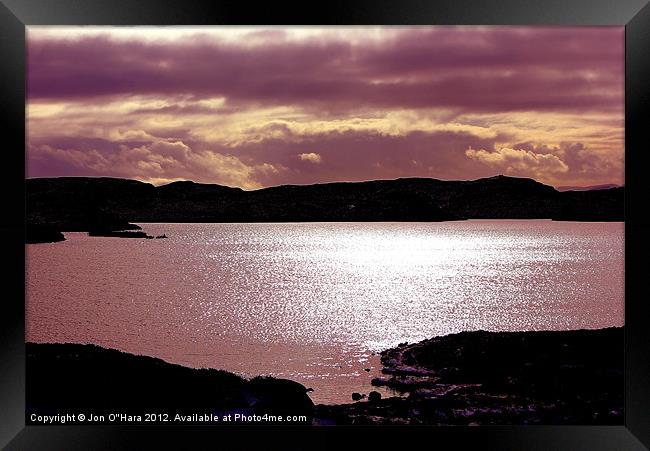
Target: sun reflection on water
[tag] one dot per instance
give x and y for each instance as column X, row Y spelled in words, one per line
column 315, row 301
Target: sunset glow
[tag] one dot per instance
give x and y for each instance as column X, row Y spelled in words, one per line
column 258, row 107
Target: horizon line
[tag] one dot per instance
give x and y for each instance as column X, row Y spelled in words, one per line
column 556, row 187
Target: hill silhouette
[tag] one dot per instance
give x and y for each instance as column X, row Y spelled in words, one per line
column 84, row 203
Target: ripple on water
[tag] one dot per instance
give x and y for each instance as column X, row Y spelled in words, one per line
column 312, row 302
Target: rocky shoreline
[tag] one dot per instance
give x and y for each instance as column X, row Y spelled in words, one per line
column 479, row 378
column 42, row 233
column 470, row 378
column 70, row 377
column 124, row 234
column 47, row 233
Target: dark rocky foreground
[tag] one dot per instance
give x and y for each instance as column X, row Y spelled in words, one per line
column 573, row 377
column 83, row 203
column 42, row 233
column 87, row 378
column 568, row 377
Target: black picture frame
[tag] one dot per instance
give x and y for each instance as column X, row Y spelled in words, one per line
column 15, row 15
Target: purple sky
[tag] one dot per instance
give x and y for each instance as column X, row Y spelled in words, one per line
column 254, row 107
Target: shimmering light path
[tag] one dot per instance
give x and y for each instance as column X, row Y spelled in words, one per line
column 312, row 302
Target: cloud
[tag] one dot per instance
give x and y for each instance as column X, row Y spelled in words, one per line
column 356, row 155
column 349, row 155
column 156, row 162
column 585, row 163
column 259, row 107
column 520, row 162
column 468, row 68
column 311, row 157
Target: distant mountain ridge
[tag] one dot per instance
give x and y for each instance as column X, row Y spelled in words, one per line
column 587, row 188
column 80, row 203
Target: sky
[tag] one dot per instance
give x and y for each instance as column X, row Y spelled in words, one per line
column 258, row 107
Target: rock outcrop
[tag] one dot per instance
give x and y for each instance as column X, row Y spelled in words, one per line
column 550, row 377
column 42, row 233
column 63, row 377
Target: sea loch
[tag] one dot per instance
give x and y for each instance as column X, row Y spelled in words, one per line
column 315, row 302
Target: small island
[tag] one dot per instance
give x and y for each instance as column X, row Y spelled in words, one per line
column 123, row 234
column 119, row 234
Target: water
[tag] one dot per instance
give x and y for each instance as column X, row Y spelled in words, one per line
column 315, row 302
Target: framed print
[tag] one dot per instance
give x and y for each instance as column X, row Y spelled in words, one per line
column 316, row 226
